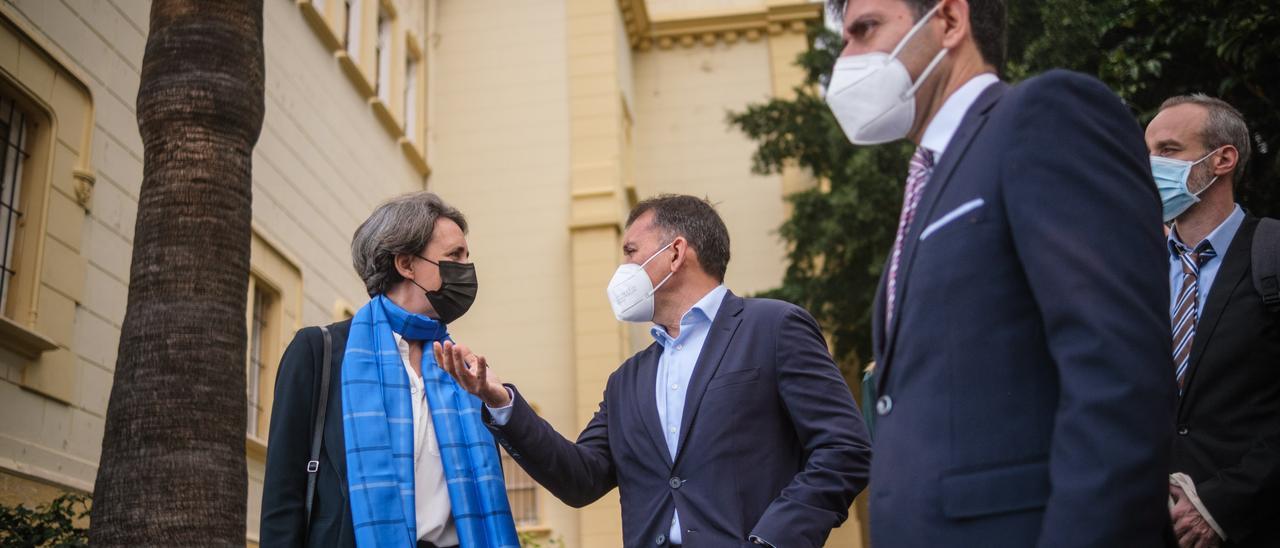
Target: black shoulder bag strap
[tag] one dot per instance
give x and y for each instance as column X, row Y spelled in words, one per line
column 1266, row 263
column 317, row 431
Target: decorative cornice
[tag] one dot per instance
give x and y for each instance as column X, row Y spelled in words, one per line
column 708, row 28
column 635, row 16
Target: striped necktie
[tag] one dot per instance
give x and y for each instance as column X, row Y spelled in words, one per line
column 917, row 175
column 1187, row 310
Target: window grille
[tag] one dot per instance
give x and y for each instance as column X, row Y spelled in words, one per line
column 13, row 131
column 258, row 326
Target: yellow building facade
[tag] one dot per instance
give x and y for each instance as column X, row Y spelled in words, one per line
column 542, row 120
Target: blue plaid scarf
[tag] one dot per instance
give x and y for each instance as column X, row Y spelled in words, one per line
column 377, row 419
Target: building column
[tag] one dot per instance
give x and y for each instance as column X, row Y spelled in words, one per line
column 597, row 211
column 787, row 40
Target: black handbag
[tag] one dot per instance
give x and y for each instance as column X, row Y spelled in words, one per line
column 317, row 431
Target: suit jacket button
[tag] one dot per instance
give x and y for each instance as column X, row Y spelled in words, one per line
column 662, row 539
column 1182, row 430
column 884, row 405
column 675, row 483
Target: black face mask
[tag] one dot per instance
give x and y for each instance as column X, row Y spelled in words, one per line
column 457, row 291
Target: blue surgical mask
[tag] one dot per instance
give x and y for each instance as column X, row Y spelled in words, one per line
column 1171, row 176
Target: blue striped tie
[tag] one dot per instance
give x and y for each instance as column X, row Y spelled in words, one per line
column 1187, row 310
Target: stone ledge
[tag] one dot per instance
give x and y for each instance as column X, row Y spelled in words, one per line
column 23, row 341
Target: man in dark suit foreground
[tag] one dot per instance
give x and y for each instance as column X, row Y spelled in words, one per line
column 733, row 427
column 1226, row 345
column 1022, row 347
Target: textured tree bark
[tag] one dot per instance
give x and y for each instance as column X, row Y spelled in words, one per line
column 172, row 470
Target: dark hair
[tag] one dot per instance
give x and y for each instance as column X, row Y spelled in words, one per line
column 986, row 18
column 697, row 221
column 400, row 226
column 1223, row 126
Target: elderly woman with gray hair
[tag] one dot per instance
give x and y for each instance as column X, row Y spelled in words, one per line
column 371, row 443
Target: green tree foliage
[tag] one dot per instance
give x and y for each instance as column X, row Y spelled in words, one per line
column 52, row 524
column 840, row 234
column 1150, row 50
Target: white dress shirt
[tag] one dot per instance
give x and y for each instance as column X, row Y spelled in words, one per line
column 430, row 492
column 945, row 123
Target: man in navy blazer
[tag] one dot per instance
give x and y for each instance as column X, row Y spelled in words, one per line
column 734, row 427
column 1022, row 329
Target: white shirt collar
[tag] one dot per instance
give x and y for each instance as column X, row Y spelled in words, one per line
column 945, row 123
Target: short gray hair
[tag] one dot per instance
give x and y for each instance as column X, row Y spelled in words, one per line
column 400, row 226
column 1223, row 126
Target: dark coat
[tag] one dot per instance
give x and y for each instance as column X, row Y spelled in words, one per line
column 1228, row 426
column 289, row 448
column 771, row 443
column 1027, row 388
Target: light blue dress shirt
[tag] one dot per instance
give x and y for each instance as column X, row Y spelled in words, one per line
column 1220, row 240
column 675, row 368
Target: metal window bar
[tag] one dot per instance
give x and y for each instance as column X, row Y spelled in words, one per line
column 254, row 386
column 522, row 492
column 13, row 131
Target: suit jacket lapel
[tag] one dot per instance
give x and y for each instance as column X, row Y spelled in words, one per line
column 713, row 349
column 877, row 317
column 969, row 128
column 1231, row 274
column 647, row 400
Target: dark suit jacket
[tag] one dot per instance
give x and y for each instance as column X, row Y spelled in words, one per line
column 1027, row 389
column 1228, row 427
column 771, row 442
column 289, row 448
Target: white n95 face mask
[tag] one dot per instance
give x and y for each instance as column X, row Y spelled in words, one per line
column 631, row 291
column 872, row 95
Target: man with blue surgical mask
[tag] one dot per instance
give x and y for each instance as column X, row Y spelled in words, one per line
column 734, row 427
column 1022, row 352
column 1225, row 475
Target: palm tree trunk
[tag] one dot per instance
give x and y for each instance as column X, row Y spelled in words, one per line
column 173, row 455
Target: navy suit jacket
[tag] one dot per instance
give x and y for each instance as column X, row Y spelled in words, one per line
column 1027, row 386
column 771, row 442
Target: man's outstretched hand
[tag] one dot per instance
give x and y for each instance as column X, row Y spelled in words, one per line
column 471, row 372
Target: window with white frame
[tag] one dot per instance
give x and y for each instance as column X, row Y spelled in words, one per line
column 262, row 300
column 383, row 54
column 411, row 85
column 522, row 492
column 351, row 32
column 13, row 135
